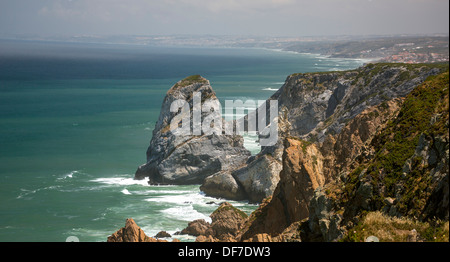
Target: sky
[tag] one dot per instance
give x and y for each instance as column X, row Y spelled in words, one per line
column 223, row 17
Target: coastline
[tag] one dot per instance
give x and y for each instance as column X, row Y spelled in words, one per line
column 87, row 127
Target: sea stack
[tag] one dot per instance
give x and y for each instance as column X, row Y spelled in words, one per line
column 189, row 157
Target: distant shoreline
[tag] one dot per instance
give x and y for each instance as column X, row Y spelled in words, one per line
column 368, row 49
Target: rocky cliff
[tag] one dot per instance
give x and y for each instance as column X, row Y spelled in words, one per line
column 392, row 157
column 313, row 106
column 380, row 145
column 374, row 139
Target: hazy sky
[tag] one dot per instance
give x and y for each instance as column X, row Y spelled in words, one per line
column 224, row 17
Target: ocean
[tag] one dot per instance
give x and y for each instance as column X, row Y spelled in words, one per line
column 76, row 120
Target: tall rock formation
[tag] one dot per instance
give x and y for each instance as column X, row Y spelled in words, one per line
column 188, row 158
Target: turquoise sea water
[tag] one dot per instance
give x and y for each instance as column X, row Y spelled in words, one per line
column 76, row 121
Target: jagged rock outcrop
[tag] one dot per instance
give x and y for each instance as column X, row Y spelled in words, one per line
column 323, row 222
column 132, row 233
column 190, row 158
column 258, row 177
column 254, row 181
column 225, row 223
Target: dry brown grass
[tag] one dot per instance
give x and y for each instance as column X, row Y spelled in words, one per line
column 393, row 229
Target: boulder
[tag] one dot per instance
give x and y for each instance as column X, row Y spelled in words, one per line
column 196, row 228
column 260, row 177
column 223, row 184
column 254, row 181
column 132, row 233
column 226, row 221
column 205, row 239
column 162, row 234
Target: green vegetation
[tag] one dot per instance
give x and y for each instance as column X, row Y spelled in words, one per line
column 191, row 80
column 397, row 144
column 232, row 208
column 304, row 145
column 375, row 47
column 410, row 71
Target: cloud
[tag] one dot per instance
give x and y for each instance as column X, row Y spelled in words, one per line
column 240, row 5
column 101, row 10
column 270, row 17
column 105, row 9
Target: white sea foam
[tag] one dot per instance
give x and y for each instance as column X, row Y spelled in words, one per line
column 182, row 199
column 270, row 89
column 121, row 181
column 178, row 199
column 335, row 69
column 26, row 193
column 126, row 192
column 154, row 191
column 185, row 213
column 251, row 143
column 69, row 175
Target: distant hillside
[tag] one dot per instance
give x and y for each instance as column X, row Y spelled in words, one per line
column 388, row 49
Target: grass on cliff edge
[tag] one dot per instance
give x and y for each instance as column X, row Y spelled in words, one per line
column 397, row 143
column 377, row 67
column 227, row 207
column 393, row 229
column 191, row 80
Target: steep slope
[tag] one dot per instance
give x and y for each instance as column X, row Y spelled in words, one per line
column 405, row 176
column 411, row 157
column 391, row 157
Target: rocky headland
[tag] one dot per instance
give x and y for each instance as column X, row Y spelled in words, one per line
column 352, row 146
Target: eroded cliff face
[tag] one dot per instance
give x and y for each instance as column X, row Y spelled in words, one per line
column 308, row 166
column 392, row 157
column 322, row 103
